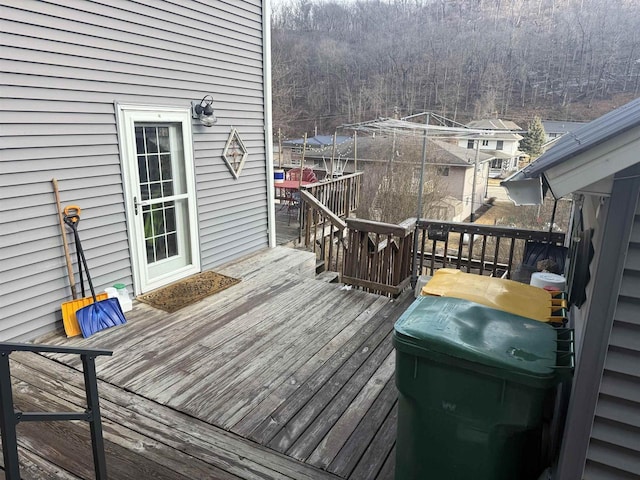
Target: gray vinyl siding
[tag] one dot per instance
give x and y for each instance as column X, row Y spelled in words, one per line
column 614, row 449
column 64, row 65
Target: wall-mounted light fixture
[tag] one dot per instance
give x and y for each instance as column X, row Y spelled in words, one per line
column 203, row 110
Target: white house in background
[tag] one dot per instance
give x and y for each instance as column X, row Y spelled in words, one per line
column 501, row 142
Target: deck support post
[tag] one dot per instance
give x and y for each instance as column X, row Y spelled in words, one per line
column 95, row 422
column 9, row 422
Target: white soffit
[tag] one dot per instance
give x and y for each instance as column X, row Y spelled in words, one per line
column 595, row 164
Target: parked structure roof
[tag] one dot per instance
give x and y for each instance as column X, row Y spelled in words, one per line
column 555, row 127
column 316, row 141
column 587, row 136
column 493, row 124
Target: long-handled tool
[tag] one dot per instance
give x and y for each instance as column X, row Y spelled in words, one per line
column 72, row 279
column 100, row 314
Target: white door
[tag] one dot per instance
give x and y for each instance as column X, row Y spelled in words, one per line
column 158, row 167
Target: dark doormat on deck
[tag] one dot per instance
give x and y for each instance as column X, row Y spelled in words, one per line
column 187, row 291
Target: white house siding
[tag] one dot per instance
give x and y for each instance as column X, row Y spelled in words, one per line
column 64, row 65
column 614, row 448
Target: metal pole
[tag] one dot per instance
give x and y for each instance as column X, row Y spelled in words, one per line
column 279, row 148
column 95, row 423
column 304, row 151
column 9, row 422
column 333, row 152
column 355, row 151
column 414, row 262
column 475, row 176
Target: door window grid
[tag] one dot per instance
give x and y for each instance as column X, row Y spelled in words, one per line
column 153, row 149
column 161, row 236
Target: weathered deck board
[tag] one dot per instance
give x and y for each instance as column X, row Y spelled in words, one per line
column 331, row 406
column 279, row 376
column 379, row 457
column 249, row 421
column 191, row 437
column 347, row 458
column 339, row 433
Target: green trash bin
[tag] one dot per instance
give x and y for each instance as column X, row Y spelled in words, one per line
column 473, row 383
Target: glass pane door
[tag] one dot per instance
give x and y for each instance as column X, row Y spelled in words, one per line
column 163, row 197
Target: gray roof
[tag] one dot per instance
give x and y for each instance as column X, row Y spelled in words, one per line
column 317, row 141
column 495, row 135
column 552, row 126
column 493, row 124
column 588, row 136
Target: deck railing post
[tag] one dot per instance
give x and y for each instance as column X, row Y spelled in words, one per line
column 95, row 422
column 9, row 422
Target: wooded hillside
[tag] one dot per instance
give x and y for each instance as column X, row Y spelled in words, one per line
column 343, row 62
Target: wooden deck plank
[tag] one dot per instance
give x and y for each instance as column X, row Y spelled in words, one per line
column 339, row 433
column 337, row 370
column 287, row 354
column 388, row 470
column 248, row 421
column 274, row 331
column 377, row 453
column 307, row 428
column 34, row 467
column 211, row 361
column 198, row 439
column 349, row 455
column 164, row 340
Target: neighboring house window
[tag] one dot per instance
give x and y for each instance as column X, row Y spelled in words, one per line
column 443, row 171
column 496, row 163
column 485, row 143
column 469, row 144
column 500, row 145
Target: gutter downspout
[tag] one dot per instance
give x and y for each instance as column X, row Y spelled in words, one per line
column 268, row 119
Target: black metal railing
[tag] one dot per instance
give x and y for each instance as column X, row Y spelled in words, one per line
column 476, row 248
column 11, row 418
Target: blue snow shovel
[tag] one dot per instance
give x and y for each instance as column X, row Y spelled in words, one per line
column 98, row 315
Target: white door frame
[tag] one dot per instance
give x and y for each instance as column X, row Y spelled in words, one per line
column 127, row 116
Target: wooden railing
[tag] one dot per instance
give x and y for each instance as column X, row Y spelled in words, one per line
column 378, row 255
column 475, row 248
column 340, row 195
column 325, row 206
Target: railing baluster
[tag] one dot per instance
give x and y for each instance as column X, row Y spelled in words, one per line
column 446, row 250
column 433, row 256
column 470, row 251
column 330, row 239
column 460, row 244
column 495, row 257
column 509, row 264
column 484, row 249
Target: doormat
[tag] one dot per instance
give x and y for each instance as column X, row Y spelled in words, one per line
column 188, row 291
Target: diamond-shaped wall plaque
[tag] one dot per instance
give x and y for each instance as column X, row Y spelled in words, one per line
column 234, row 153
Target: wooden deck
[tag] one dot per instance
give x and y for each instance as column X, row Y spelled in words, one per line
column 280, row 376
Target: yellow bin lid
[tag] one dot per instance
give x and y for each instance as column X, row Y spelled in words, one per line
column 506, row 295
